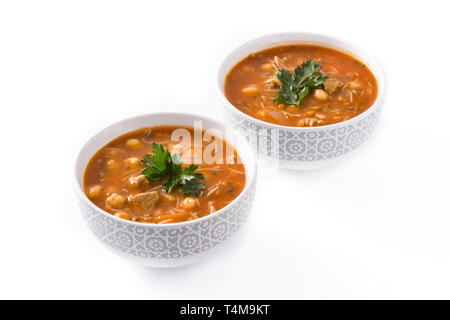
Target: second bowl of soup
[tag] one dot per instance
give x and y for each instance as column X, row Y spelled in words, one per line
column 304, row 99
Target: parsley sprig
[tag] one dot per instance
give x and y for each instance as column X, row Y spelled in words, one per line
column 165, row 166
column 295, row 87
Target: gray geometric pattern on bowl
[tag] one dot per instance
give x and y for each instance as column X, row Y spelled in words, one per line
column 313, row 144
column 170, row 242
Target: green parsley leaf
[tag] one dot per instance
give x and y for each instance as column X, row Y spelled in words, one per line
column 192, row 188
column 295, row 87
column 164, row 166
column 303, row 93
column 158, row 164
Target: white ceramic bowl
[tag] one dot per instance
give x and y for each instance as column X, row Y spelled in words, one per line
column 302, row 148
column 165, row 245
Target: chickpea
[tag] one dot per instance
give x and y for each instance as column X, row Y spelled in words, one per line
column 301, row 123
column 122, row 215
column 321, row 116
column 188, row 203
column 320, row 94
column 168, row 196
column 133, row 143
column 281, row 106
column 261, row 114
column 250, row 91
column 116, row 201
column 112, row 164
column 113, row 152
column 267, row 67
column 292, row 108
column 133, row 162
column 355, row 85
column 139, row 181
column 95, row 192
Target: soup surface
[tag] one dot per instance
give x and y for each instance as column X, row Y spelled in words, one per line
column 115, row 182
column 347, row 88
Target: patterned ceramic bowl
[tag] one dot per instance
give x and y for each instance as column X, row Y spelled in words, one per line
column 302, row 148
column 166, row 245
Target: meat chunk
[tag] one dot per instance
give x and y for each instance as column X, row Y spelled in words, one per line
column 331, row 85
column 144, row 201
column 139, row 181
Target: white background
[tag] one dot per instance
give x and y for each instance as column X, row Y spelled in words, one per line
column 375, row 226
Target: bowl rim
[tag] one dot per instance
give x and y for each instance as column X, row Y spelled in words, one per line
column 362, row 55
column 249, row 165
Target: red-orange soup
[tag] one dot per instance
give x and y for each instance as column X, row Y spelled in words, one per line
column 252, row 85
column 113, row 179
